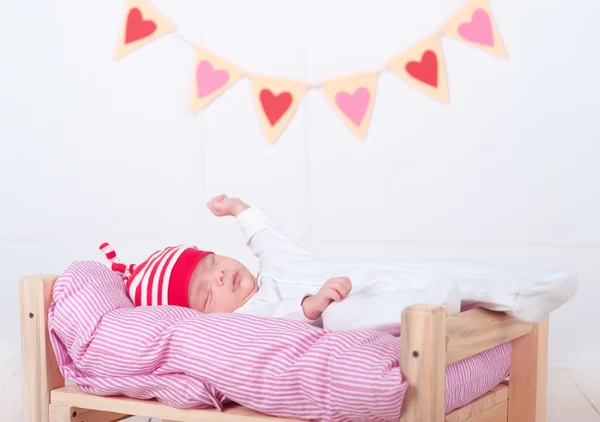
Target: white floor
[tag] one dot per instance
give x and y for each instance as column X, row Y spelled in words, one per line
column 573, row 395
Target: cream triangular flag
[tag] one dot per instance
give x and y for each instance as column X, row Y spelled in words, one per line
column 143, row 23
column 212, row 76
column 352, row 99
column 423, row 67
column 276, row 101
column 474, row 24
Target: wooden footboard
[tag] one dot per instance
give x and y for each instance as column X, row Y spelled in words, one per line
column 430, row 342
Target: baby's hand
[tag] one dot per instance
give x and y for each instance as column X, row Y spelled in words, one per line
column 222, row 205
column 333, row 290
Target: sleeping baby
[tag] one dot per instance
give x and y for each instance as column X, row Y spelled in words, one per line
column 291, row 283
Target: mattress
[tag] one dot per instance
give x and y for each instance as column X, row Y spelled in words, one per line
column 285, row 368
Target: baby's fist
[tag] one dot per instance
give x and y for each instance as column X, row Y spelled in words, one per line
column 222, row 205
column 333, row 290
column 336, row 288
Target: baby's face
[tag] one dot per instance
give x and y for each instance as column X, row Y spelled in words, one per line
column 220, row 284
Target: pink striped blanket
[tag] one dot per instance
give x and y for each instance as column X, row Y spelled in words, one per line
column 280, row 367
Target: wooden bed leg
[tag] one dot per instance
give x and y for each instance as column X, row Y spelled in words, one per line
column 40, row 369
column 528, row 376
column 60, row 413
column 423, row 363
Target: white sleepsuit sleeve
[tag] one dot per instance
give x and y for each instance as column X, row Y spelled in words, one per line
column 287, row 308
column 266, row 241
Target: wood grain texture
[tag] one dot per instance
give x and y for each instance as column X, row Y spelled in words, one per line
column 528, row 376
column 498, row 413
column 40, row 369
column 85, row 415
column 72, row 396
column 477, row 330
column 422, row 363
column 60, row 413
column 481, row 405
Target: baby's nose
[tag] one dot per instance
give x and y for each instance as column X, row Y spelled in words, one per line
column 219, row 276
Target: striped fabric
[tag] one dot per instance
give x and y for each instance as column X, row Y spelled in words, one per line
column 107, row 346
column 161, row 279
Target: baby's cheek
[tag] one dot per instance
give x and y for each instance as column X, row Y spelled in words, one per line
column 249, row 286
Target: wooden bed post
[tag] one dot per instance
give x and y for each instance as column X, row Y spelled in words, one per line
column 40, row 369
column 527, row 387
column 423, row 363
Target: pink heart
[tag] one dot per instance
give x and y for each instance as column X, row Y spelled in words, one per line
column 208, row 79
column 479, row 30
column 354, row 105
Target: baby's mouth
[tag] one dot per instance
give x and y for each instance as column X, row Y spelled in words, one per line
column 234, row 281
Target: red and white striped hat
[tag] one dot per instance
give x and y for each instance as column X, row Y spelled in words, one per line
column 162, row 279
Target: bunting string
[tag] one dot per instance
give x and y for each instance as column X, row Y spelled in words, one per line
column 351, row 97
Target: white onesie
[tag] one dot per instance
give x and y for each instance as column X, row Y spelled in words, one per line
column 288, row 272
column 380, row 290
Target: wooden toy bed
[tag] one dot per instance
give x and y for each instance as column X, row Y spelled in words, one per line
column 430, row 341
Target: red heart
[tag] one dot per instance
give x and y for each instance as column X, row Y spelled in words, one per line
column 275, row 105
column 426, row 70
column 137, row 27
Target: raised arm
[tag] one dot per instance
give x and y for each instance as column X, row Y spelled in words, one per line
column 265, row 240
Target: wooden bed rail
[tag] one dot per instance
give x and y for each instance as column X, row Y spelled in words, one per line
column 431, row 341
column 477, row 330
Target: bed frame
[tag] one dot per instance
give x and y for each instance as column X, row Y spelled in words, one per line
column 430, row 342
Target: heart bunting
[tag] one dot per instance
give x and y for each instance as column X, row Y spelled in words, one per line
column 212, row 76
column 142, row 24
column 276, row 101
column 474, row 25
column 422, row 66
column 352, row 99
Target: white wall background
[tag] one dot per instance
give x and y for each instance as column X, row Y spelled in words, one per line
column 92, row 149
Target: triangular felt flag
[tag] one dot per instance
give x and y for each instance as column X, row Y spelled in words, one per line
column 142, row 24
column 474, row 25
column 423, row 67
column 352, row 98
column 277, row 101
column 212, row 76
